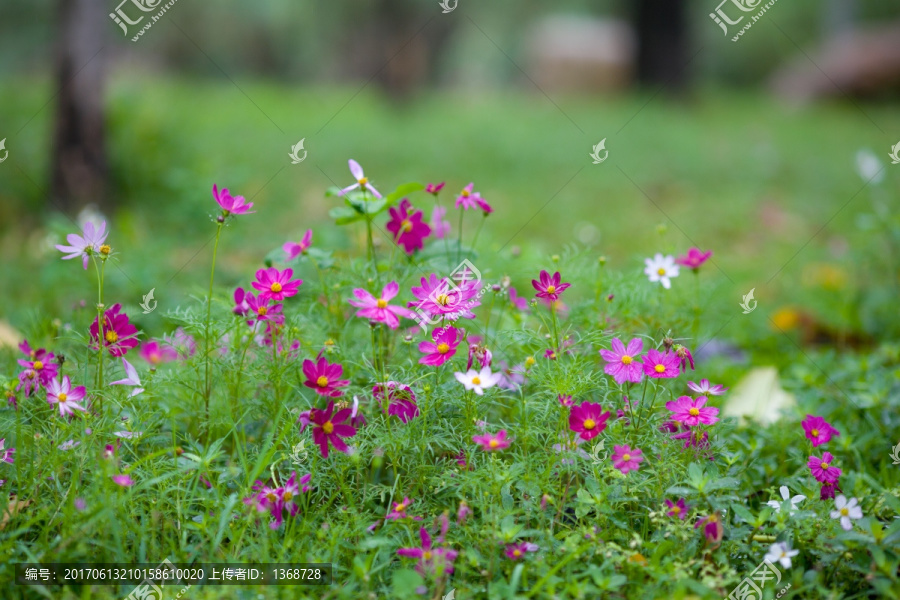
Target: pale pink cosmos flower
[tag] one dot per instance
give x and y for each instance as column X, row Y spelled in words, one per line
column 85, row 245
column 155, row 353
column 492, row 442
column 627, row 459
column 622, row 362
column 131, row 378
column 445, row 298
column 123, row 480
column 232, row 205
column 704, row 388
column 295, row 249
column 62, row 394
column 362, row 182
column 467, row 198
column 440, row 227
column 398, row 511
column 378, row 309
column 692, row 412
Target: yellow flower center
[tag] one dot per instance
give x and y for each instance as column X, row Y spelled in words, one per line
column 529, row 361
column 517, row 553
column 62, row 397
column 322, row 381
column 112, row 337
column 400, row 507
column 363, row 181
column 551, row 289
column 427, row 555
column 443, row 299
column 589, row 424
column 815, row 432
column 627, row 360
column 38, row 365
column 476, row 381
column 287, row 496
column 676, row 509
column 328, row 427
column 406, row 225
column 155, row 358
column 271, row 497
column 845, row 511
column 31, row 374
column 105, row 249
column 276, row 287
column 661, row 271
column 660, row 368
column 443, row 348
column 824, row 466
column 694, row 412
column 466, row 193
column 381, row 303
column 626, row 457
column 262, row 310
column 493, row 443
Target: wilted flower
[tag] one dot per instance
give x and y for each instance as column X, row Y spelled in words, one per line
column 131, row 379
column 712, row 527
column 401, row 400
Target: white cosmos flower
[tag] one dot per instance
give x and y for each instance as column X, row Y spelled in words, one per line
column 846, row 510
column 781, row 552
column 661, row 268
column 478, row 380
column 785, row 494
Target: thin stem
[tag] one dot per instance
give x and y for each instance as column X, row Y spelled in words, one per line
column 101, row 336
column 212, row 275
column 478, row 231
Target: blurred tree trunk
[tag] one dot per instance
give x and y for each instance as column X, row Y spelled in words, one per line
column 662, row 33
column 79, row 167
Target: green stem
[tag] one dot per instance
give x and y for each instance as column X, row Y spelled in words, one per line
column 478, row 231
column 212, row 275
column 101, row 336
column 459, row 239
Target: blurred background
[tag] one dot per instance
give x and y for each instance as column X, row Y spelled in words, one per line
column 772, row 151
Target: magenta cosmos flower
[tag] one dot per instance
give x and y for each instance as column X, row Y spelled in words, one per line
column 659, row 365
column 232, row 205
column 330, row 427
column 818, row 430
column 407, row 227
column 278, row 500
column 549, row 286
column 62, row 394
column 276, row 284
column 623, row 362
column 467, row 198
column 431, row 560
column 625, row 459
column 822, row 469
column 295, row 249
column 378, row 309
column 692, row 412
column 241, row 307
column 443, row 346
column 119, row 335
column 677, row 509
column 398, row 511
column 694, row 258
column 86, row 244
column 401, row 400
column 259, row 310
column 492, row 442
column 704, row 388
column 587, row 420
column 712, row 527
column 519, row 302
column 324, row 377
column 444, row 298
column 362, row 182
column 434, row 188
column 517, row 551
column 155, row 353
column 6, row 454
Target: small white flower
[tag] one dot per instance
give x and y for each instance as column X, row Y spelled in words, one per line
column 781, row 552
column 845, row 511
column 478, row 380
column 69, row 445
column 785, row 494
column 661, row 268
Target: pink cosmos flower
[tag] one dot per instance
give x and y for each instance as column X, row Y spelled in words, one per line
column 712, row 527
column 587, row 420
column 822, row 468
column 625, row 459
column 401, row 400
column 511, row 378
column 492, row 442
column 443, row 346
column 183, row 343
column 6, row 454
column 259, row 310
column 434, row 189
column 378, row 309
column 517, row 551
column 123, row 480
column 705, row 389
column 623, row 363
column 324, row 377
column 331, row 428
column 483, row 205
column 241, row 307
column 276, row 284
column 62, row 394
column 362, row 182
column 398, row 511
column 119, row 335
column 29, row 380
column 463, row 513
column 440, row 227
column 692, row 412
column 84, row 245
column 155, row 353
column 444, row 298
column 677, row 509
column 131, row 379
column 659, row 365
column 696, row 439
column 285, row 498
column 694, row 258
column 480, row 354
column 295, row 249
column 467, row 198
column 431, row 560
column 549, row 287
column 232, row 205
column 43, row 367
column 407, row 227
column 565, row 400
column 518, row 301
column 818, row 430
